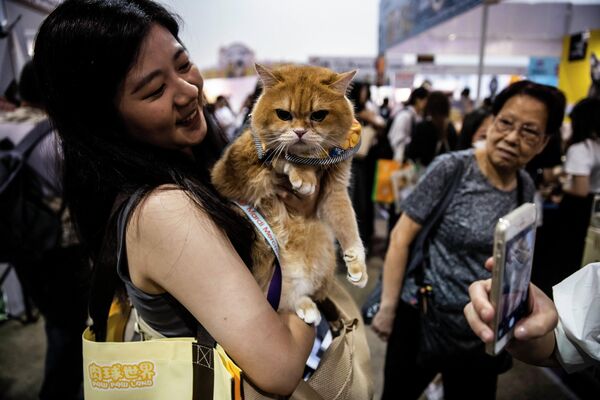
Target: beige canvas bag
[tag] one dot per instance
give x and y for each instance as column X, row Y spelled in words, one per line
column 345, row 369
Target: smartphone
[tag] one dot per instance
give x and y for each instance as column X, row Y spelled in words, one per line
column 514, row 242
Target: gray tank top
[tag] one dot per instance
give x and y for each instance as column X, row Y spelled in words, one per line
column 162, row 312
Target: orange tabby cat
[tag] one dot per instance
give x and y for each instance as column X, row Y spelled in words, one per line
column 302, row 112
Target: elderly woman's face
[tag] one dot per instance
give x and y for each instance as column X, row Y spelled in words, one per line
column 517, row 133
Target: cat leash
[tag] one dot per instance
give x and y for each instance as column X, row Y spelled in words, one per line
column 335, row 155
column 274, row 292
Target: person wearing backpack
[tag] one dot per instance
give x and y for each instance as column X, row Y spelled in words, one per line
column 421, row 314
column 402, row 127
column 39, row 241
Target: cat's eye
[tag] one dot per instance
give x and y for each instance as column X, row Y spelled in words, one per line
column 319, row 116
column 283, row 115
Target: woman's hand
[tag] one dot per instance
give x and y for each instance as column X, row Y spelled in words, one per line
column 383, row 322
column 534, row 337
column 296, row 203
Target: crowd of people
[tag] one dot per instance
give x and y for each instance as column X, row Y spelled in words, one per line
column 142, row 130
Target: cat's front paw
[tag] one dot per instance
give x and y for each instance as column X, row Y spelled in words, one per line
column 307, row 310
column 303, row 182
column 357, row 267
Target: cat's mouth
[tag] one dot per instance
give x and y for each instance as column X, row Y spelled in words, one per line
column 303, row 148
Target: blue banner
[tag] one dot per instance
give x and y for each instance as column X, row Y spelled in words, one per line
column 543, row 70
column 402, row 19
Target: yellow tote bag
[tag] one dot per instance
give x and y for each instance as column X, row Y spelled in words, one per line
column 383, row 191
column 173, row 368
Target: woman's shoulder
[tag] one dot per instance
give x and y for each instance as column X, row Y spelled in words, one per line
column 164, row 201
column 587, row 146
column 451, row 161
column 166, row 210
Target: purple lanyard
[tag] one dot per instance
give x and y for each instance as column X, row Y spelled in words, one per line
column 274, row 293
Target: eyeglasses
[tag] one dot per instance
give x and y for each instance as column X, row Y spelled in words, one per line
column 530, row 135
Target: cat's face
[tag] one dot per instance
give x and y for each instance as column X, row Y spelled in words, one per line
column 303, row 109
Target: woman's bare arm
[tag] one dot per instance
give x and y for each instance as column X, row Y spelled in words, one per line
column 174, row 247
column 394, row 267
column 580, row 185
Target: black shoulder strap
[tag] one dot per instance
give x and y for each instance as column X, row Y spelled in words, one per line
column 520, row 193
column 33, row 137
column 202, row 335
column 419, row 244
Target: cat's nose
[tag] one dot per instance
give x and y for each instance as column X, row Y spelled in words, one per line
column 300, row 132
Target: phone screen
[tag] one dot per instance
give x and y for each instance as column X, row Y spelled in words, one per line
column 515, row 282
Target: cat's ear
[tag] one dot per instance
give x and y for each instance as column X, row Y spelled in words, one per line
column 342, row 81
column 266, row 76
column 594, row 59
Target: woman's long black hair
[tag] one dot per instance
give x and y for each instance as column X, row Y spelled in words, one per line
column 585, row 121
column 471, row 123
column 83, row 52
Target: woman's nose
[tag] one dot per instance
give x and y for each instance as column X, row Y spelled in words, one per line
column 513, row 137
column 186, row 92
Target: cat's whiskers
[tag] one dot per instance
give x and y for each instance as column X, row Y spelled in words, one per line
column 275, row 153
column 280, row 150
column 321, row 149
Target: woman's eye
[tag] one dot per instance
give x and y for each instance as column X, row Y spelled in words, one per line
column 283, row 115
column 505, row 124
column 185, row 67
column 157, row 93
column 319, row 116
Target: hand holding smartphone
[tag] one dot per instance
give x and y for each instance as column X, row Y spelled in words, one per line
column 514, row 243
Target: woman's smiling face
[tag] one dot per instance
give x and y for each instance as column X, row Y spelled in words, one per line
column 161, row 98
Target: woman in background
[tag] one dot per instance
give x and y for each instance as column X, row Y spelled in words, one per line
column 582, row 166
column 435, row 135
column 474, row 129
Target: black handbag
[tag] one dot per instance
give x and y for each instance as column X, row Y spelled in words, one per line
column 419, row 247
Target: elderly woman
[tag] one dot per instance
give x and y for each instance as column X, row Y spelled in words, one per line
column 492, row 183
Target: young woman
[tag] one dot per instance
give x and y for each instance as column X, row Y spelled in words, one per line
column 582, row 166
column 435, row 134
column 127, row 102
column 525, row 115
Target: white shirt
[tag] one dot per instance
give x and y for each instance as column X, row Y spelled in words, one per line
column 583, row 159
column 577, row 300
column 400, row 131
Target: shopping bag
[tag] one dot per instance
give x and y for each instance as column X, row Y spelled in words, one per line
column 344, row 372
column 383, row 191
column 169, row 368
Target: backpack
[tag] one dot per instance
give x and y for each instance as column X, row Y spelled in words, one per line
column 28, row 226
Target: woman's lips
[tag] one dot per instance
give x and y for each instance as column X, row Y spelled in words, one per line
column 191, row 119
column 506, row 153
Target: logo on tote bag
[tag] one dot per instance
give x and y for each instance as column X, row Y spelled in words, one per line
column 122, row 376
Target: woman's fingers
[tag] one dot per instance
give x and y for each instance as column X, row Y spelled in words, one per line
column 294, row 201
column 479, row 292
column 480, row 328
column 489, row 264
